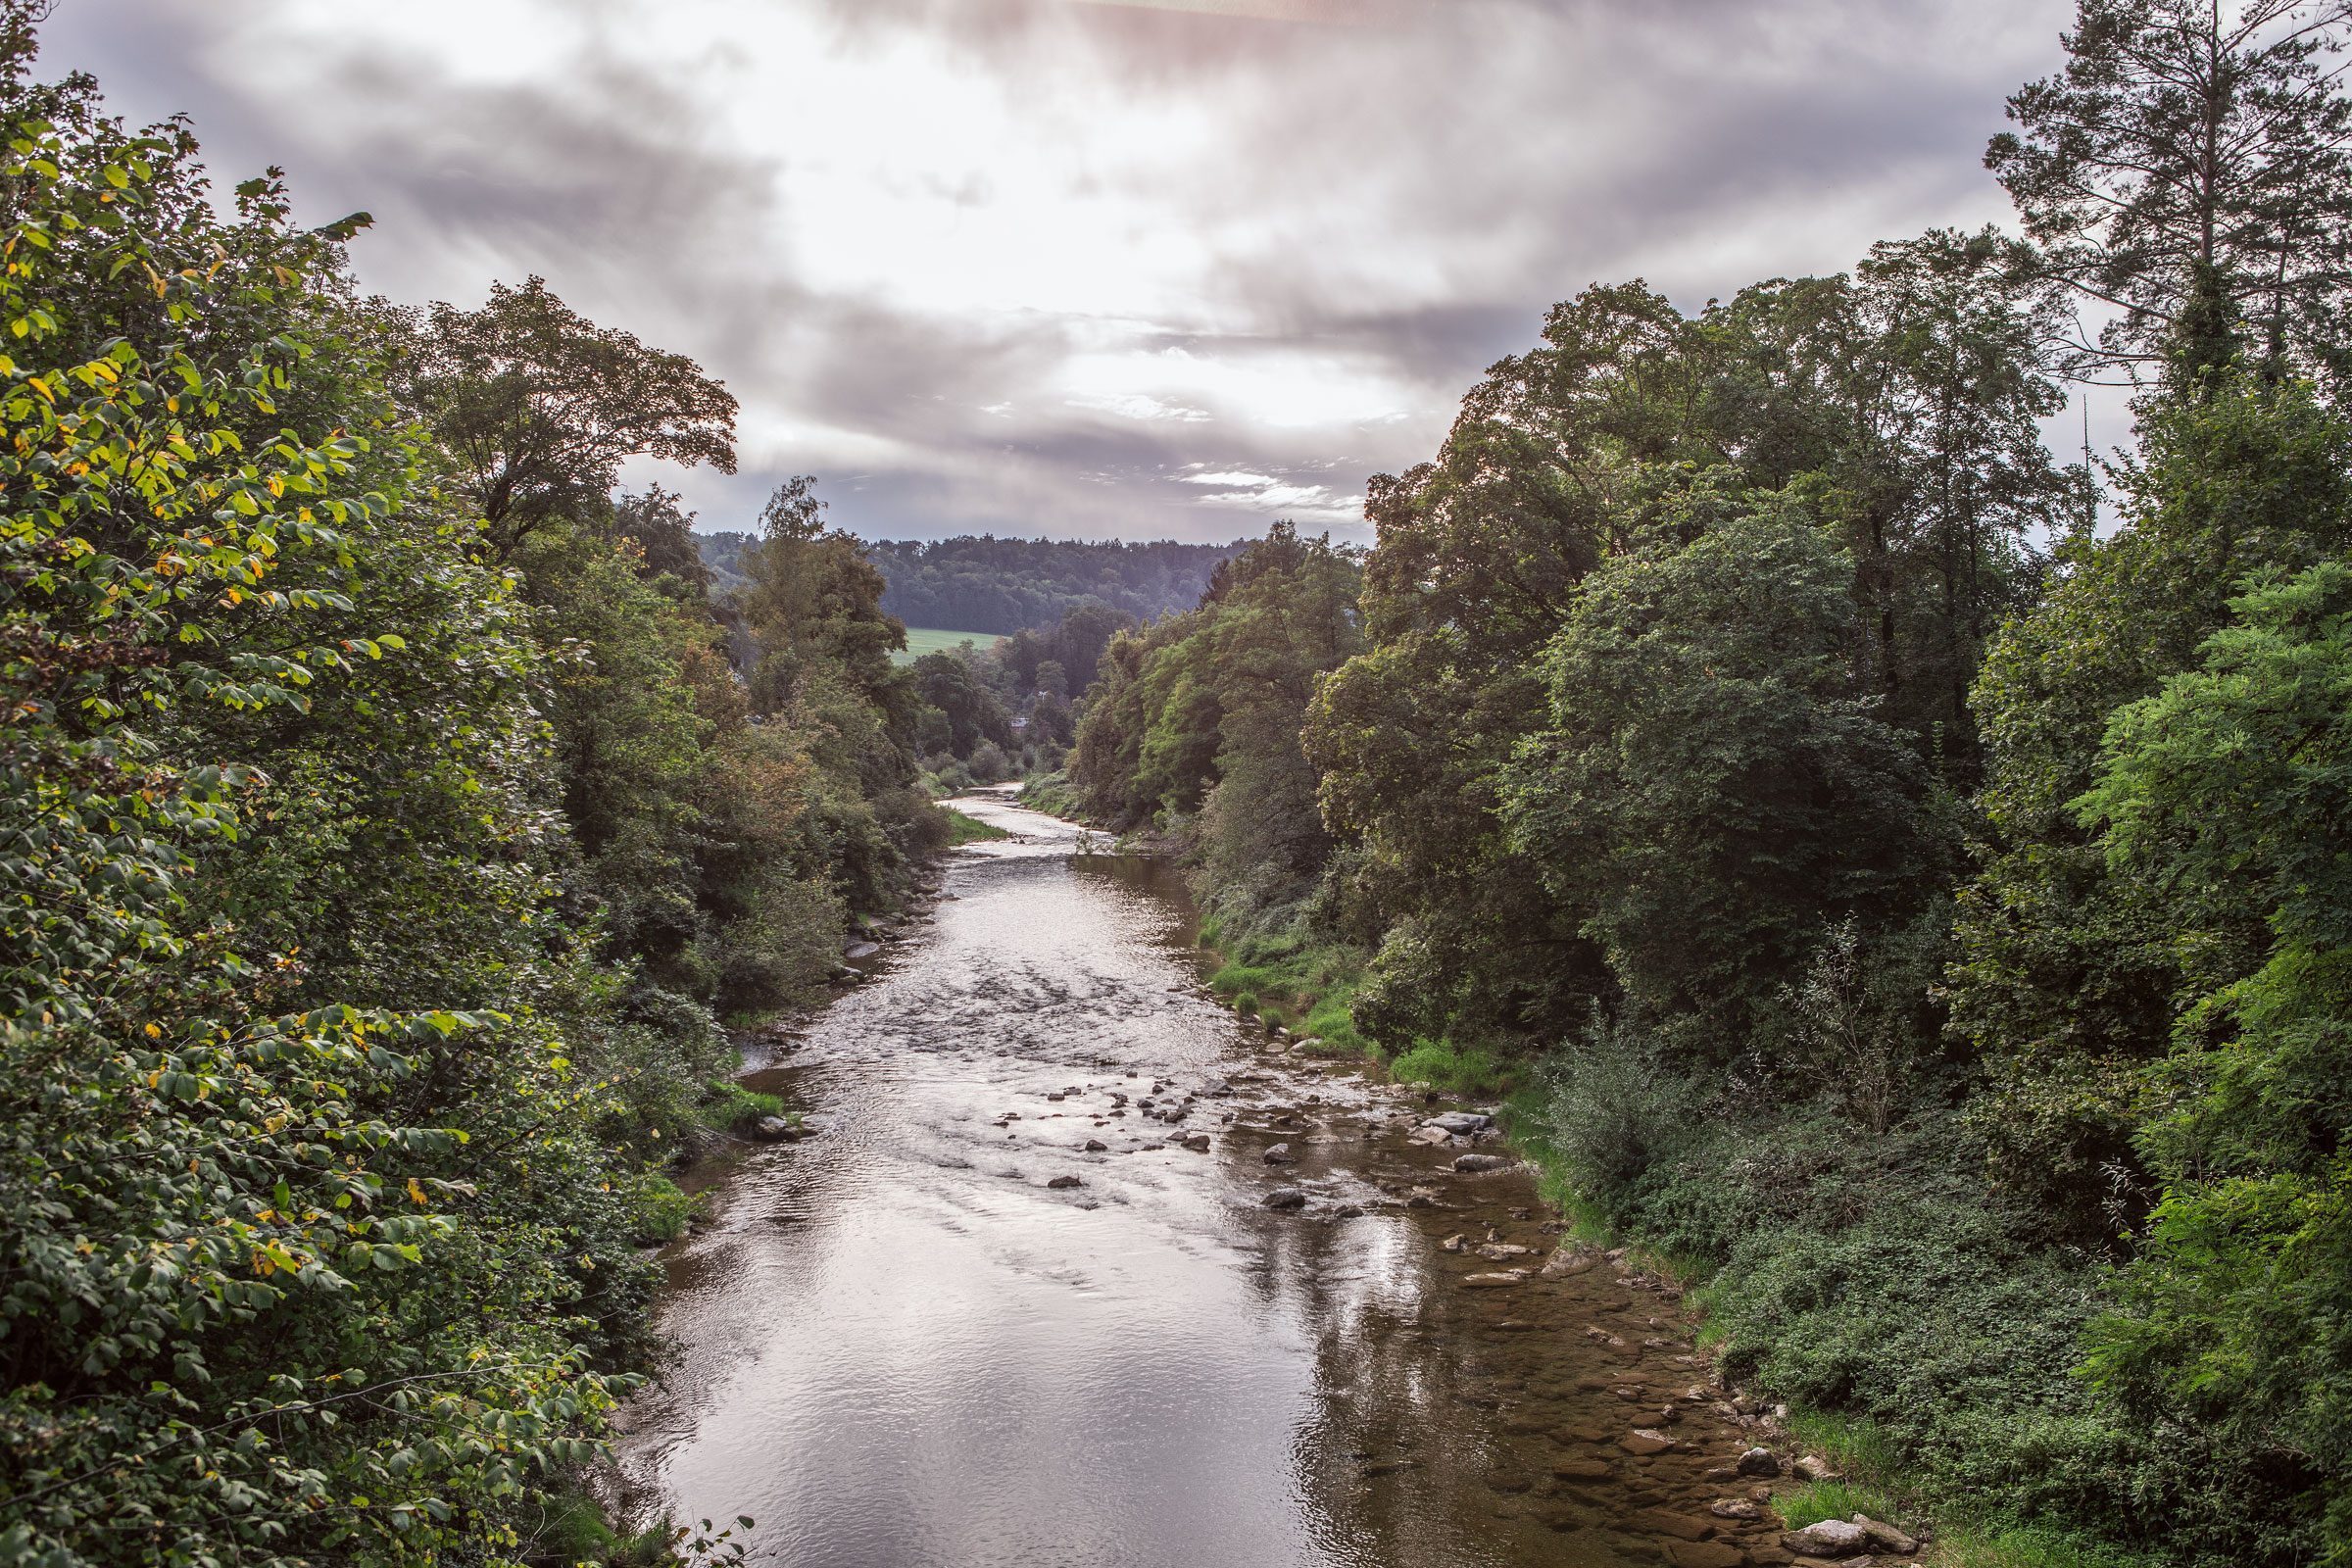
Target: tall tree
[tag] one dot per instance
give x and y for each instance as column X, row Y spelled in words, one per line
column 539, row 406
column 2188, row 168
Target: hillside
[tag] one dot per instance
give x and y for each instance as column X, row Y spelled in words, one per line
column 986, row 584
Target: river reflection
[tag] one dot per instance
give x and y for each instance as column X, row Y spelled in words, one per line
column 902, row 1347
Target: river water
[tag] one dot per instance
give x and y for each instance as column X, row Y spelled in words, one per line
column 900, row 1347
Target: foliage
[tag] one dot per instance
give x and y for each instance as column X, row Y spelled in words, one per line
column 539, row 406
column 376, row 874
column 1716, row 785
column 266, row 1296
column 2230, row 791
column 2187, row 174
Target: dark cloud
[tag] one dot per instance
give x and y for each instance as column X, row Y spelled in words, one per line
column 1056, row 265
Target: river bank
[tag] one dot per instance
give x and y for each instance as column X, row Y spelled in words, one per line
column 1081, row 1269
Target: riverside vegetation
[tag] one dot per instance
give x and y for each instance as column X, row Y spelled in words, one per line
column 389, row 819
column 1903, row 880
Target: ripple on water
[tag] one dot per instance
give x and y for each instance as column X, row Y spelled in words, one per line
column 901, row 1348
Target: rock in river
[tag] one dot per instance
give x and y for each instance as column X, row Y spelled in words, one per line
column 1198, row 1143
column 1831, row 1537
column 859, row 950
column 1459, row 1122
column 1885, row 1538
column 776, row 1129
column 1500, row 1280
column 1471, row 1164
column 1643, row 1440
column 1065, row 1181
column 1759, row 1463
column 1279, row 1154
column 1286, row 1197
column 1575, row 1258
column 1095, row 1146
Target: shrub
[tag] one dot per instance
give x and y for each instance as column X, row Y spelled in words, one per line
column 988, row 764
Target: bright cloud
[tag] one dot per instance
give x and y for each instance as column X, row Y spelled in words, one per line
column 1129, row 267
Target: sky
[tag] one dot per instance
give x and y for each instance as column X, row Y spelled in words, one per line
column 1089, row 268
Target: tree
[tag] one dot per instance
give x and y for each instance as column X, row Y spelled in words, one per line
column 2066, row 972
column 539, row 406
column 2229, row 790
column 972, row 711
column 272, row 1295
column 2193, row 150
column 661, row 532
column 1714, row 784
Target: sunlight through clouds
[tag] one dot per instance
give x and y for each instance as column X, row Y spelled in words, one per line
column 1012, row 262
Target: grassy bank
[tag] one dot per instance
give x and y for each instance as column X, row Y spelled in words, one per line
column 1050, row 793
column 1919, row 1341
column 964, row 829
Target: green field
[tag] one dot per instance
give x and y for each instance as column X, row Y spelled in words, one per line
column 921, row 639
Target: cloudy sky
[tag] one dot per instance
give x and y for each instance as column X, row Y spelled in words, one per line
column 1087, row 268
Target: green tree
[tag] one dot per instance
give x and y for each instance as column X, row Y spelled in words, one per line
column 1715, row 784
column 259, row 1304
column 2229, row 793
column 2190, row 148
column 539, row 406
column 2066, row 972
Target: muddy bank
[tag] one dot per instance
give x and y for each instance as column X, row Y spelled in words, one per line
column 1024, row 1299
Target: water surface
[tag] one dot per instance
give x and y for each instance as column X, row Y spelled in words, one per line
column 902, row 1347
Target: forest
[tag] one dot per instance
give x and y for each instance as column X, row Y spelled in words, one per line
column 1007, row 585
column 985, row 584
column 1900, row 877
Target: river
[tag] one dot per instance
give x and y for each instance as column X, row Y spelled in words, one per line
column 900, row 1345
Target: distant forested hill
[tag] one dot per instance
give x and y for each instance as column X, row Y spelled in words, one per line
column 987, row 584
column 1002, row 585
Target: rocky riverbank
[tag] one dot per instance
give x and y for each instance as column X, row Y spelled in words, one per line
column 1083, row 1269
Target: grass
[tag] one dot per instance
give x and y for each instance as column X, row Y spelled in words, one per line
column 963, row 829
column 1050, row 793
column 1464, row 1070
column 664, row 1212
column 1310, row 988
column 921, row 639
column 573, row 1529
column 732, row 1107
column 1829, row 1499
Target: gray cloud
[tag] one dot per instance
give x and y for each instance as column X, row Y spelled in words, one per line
column 1048, row 265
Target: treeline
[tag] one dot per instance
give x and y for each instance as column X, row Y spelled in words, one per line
column 1906, row 878
column 1005, row 711
column 1002, row 586
column 388, row 822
